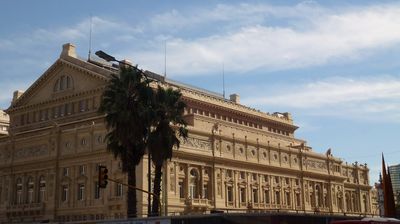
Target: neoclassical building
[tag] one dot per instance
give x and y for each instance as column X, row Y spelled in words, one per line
column 236, row 158
column 4, row 123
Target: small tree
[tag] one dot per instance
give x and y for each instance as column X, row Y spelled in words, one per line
column 169, row 110
column 126, row 103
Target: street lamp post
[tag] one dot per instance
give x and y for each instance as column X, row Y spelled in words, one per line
column 109, row 58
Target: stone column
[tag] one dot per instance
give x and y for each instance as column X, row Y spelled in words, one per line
column 236, row 189
column 187, row 179
column 201, row 188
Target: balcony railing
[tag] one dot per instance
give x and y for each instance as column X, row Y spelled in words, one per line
column 198, row 202
column 26, row 206
column 25, row 209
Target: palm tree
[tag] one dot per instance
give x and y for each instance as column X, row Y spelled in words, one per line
column 169, row 110
column 126, row 103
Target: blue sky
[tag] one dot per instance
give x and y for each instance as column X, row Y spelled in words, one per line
column 335, row 65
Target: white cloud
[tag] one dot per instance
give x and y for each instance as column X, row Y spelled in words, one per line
column 238, row 14
column 333, row 92
column 343, row 35
column 363, row 98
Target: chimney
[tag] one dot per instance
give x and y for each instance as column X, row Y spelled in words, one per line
column 68, row 50
column 288, row 116
column 125, row 63
column 16, row 95
column 235, row 98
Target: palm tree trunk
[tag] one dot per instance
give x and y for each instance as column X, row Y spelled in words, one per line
column 132, row 210
column 157, row 190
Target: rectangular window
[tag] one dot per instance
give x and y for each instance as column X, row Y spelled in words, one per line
column 46, row 114
column 65, row 171
column 82, row 169
column 81, row 192
column 64, row 193
column 230, row 193
column 266, row 195
column 287, row 198
column 73, row 107
column 22, row 120
column 242, row 194
column 278, row 197
column 181, row 194
column 87, row 104
column 298, row 199
column 255, row 195
column 28, row 120
column 205, row 191
column 96, row 190
column 55, row 112
column 82, row 105
column 34, row 116
column 118, row 190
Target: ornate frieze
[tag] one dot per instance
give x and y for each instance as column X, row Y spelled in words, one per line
column 31, row 152
column 197, row 143
column 314, row 164
column 5, row 155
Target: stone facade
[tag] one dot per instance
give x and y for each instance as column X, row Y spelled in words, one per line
column 236, row 158
column 4, row 123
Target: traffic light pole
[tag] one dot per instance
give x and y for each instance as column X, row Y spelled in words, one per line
column 139, row 189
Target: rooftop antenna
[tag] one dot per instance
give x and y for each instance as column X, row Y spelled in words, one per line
column 165, row 59
column 90, row 38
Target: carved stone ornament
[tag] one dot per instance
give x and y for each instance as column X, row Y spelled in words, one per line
column 197, row 143
column 318, row 165
column 5, row 155
column 32, row 151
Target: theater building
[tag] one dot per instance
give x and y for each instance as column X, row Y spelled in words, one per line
column 236, row 158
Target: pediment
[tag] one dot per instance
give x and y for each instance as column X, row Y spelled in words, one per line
column 63, row 78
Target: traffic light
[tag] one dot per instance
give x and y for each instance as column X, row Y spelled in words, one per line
column 103, row 176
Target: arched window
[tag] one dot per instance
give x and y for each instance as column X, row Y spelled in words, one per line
column 193, row 184
column 18, row 198
column 63, row 83
column 42, row 189
column 30, row 193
